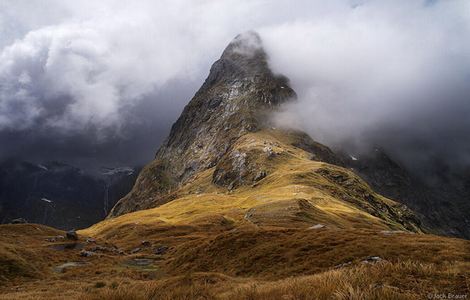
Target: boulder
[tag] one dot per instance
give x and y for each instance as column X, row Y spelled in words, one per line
column 260, row 175
column 54, row 239
column 161, row 250
column 146, row 243
column 317, row 226
column 85, row 253
column 135, row 250
column 71, row 235
column 372, row 260
column 19, row 221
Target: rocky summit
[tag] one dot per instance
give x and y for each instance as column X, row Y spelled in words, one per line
column 225, row 136
column 234, row 208
column 234, row 100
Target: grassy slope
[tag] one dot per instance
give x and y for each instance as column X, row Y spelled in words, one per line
column 17, row 250
column 250, row 242
column 277, row 200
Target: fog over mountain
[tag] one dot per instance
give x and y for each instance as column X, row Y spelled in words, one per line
column 89, row 81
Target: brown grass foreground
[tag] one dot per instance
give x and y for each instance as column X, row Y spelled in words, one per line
column 245, row 263
column 384, row 280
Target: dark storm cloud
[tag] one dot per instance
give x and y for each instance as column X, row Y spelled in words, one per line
column 104, row 80
column 143, row 127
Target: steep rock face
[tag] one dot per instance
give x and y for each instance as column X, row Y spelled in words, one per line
column 224, row 159
column 233, row 101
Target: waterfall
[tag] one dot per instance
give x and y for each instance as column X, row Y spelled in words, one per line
column 106, row 198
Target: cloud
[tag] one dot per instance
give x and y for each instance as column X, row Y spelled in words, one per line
column 87, row 64
column 113, row 76
column 388, row 73
column 90, row 72
column 92, row 69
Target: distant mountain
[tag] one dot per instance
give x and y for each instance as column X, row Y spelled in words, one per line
column 441, row 202
column 58, row 194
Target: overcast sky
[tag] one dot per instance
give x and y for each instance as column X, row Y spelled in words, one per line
column 102, row 81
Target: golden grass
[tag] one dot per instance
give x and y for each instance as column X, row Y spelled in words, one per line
column 292, row 176
column 380, row 281
column 281, row 253
column 16, row 249
column 252, row 242
column 242, row 261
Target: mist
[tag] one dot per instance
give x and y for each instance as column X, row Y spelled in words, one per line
column 103, row 82
column 383, row 74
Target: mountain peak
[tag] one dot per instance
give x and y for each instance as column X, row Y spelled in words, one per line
column 243, row 60
column 236, row 98
column 245, row 45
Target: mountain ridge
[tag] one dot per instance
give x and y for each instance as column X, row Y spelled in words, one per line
column 229, row 104
column 234, row 144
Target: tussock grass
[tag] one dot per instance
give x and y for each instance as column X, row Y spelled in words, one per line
column 253, row 241
column 15, row 249
column 335, row 195
column 380, row 281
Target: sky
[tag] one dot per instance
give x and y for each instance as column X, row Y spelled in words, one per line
column 101, row 82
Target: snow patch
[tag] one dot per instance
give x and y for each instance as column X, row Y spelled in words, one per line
column 46, row 200
column 43, row 167
column 113, row 171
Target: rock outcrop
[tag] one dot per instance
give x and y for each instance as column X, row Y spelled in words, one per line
column 235, row 99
